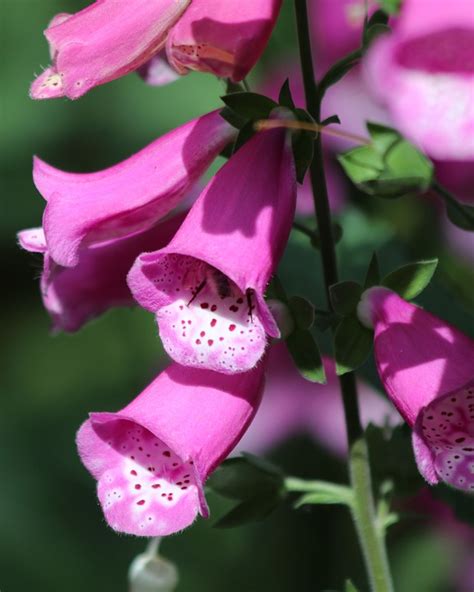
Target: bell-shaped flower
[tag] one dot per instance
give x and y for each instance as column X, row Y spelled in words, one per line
column 224, row 38
column 207, row 286
column 151, row 459
column 104, row 41
column 424, row 73
column 74, row 295
column 130, row 197
column 427, row 368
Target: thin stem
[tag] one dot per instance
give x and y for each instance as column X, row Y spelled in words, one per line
column 303, row 229
column 450, row 199
column 363, row 508
column 266, row 124
column 301, row 486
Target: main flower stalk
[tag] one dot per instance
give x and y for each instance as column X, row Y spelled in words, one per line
column 369, row 531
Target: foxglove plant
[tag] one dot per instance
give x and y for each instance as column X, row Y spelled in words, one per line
column 427, row 368
column 152, row 458
column 207, row 286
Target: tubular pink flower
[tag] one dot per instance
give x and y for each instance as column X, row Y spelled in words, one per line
column 206, row 287
column 86, row 209
column 225, row 38
column 74, row 295
column 424, row 72
column 106, row 40
column 291, row 405
column 427, row 368
column 151, row 459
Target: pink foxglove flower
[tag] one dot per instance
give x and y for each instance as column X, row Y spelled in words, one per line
column 130, row 197
column 74, row 295
column 424, row 72
column 293, row 406
column 207, row 286
column 225, row 38
column 104, row 41
column 151, row 459
column 427, row 368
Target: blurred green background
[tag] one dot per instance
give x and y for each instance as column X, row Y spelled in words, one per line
column 52, row 535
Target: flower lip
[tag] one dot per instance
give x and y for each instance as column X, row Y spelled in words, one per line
column 446, row 427
column 146, row 487
column 205, row 319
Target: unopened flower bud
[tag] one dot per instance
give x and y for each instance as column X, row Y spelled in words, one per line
column 149, row 573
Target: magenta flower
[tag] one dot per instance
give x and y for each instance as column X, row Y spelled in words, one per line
column 225, row 38
column 74, row 295
column 293, row 406
column 424, row 72
column 151, row 459
column 427, row 368
column 207, row 286
column 130, row 197
column 104, row 41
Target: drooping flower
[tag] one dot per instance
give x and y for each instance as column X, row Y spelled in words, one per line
column 427, row 368
column 104, row 41
column 293, row 406
column 130, row 197
column 151, row 459
column 207, row 286
column 224, row 38
column 74, row 295
column 424, row 73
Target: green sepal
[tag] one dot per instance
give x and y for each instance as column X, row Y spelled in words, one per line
column 410, row 280
column 249, row 105
column 327, row 494
column 345, row 296
column 460, row 215
column 376, row 25
column 352, row 344
column 389, row 166
column 285, row 98
column 390, row 6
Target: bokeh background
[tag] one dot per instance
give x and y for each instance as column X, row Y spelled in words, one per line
column 52, row 534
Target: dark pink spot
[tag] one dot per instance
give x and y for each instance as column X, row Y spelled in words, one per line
column 198, row 341
column 140, row 502
column 234, row 308
column 202, row 333
column 133, row 473
column 214, row 307
column 204, row 305
column 232, row 327
column 213, row 322
column 138, row 486
column 240, row 300
column 156, row 486
column 167, row 453
column 210, row 342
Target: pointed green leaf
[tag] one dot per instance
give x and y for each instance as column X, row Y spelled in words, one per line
column 352, row 344
column 302, row 311
column 249, row 105
column 372, row 277
column 284, row 98
column 306, row 356
column 410, row 280
column 345, row 296
column 460, row 215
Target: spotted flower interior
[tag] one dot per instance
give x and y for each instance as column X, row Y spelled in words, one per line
column 207, row 321
column 146, row 489
column 447, row 427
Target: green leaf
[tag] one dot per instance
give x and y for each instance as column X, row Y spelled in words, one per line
column 372, row 277
column 242, row 478
column 390, row 6
column 233, row 118
column 249, row 105
column 251, row 510
column 349, row 587
column 460, row 215
column 325, row 320
column 345, row 296
column 302, row 311
column 303, row 152
column 284, row 98
column 388, row 167
column 410, row 280
column 352, row 344
column 335, row 494
column 306, row 356
column 339, row 70
column 246, row 132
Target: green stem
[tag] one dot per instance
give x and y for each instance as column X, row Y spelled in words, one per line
column 302, row 486
column 363, row 508
column 303, row 229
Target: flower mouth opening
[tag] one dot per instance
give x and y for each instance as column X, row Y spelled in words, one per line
column 207, row 320
column 146, row 488
column 447, row 427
